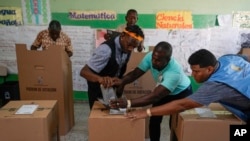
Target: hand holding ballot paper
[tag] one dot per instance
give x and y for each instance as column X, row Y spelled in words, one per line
column 109, row 94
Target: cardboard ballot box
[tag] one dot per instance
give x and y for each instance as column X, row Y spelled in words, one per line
column 41, row 125
column 140, row 87
column 47, row 75
column 246, row 51
column 204, row 124
column 143, row 85
column 105, row 127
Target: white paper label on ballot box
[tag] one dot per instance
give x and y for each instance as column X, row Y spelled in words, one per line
column 27, row 109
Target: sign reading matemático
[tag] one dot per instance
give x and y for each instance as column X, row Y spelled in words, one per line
column 92, row 15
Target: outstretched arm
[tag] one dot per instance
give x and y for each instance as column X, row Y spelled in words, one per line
column 91, row 76
column 158, row 93
column 173, row 107
column 130, row 77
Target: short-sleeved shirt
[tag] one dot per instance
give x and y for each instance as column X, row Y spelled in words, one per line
column 102, row 54
column 171, row 77
column 44, row 40
column 210, row 92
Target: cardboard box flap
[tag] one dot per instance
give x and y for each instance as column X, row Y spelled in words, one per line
column 42, row 125
column 47, row 75
column 246, row 51
column 190, row 126
column 113, row 127
column 44, row 107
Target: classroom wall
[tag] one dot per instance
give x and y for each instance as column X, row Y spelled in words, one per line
column 145, row 6
column 204, row 13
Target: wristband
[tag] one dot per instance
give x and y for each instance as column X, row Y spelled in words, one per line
column 128, row 103
column 148, row 112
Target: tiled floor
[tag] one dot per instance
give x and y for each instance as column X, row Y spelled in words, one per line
column 80, row 131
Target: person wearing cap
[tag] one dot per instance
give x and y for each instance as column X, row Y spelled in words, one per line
column 53, row 36
column 171, row 83
column 110, row 60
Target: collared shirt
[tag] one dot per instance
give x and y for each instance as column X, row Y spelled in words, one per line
column 171, row 77
column 44, row 40
column 210, row 92
column 102, row 54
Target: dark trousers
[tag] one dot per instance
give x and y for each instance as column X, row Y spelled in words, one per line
column 155, row 121
column 94, row 92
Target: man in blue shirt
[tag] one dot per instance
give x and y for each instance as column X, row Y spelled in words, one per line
column 171, row 84
column 225, row 80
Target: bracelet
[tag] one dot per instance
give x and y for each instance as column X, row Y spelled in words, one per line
column 148, row 112
column 128, row 103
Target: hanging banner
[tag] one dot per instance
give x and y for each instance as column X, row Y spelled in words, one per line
column 174, row 20
column 10, row 16
column 36, row 12
column 241, row 19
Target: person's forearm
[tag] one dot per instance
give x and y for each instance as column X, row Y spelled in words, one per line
column 156, row 95
column 69, row 53
column 89, row 75
column 165, row 109
column 33, row 47
column 92, row 77
column 173, row 107
column 132, row 76
column 141, row 101
column 129, row 78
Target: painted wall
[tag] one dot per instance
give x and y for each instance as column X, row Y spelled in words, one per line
column 145, row 6
column 152, row 6
column 204, row 12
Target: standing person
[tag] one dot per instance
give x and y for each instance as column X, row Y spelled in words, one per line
column 225, row 80
column 131, row 19
column 53, row 36
column 110, row 60
column 172, row 83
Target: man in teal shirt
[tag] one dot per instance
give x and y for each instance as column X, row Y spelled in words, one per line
column 225, row 80
column 171, row 84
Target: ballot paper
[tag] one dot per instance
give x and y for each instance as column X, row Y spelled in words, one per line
column 205, row 112
column 107, row 94
column 27, row 109
column 120, row 111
